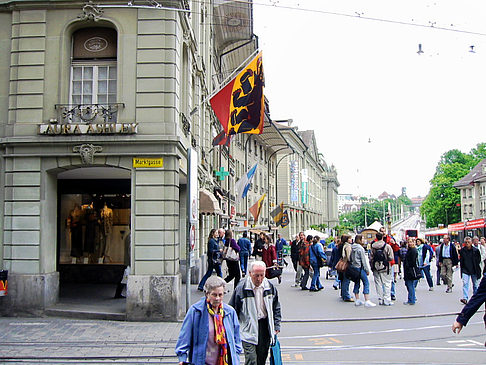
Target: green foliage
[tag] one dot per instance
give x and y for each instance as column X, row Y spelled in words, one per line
column 442, row 204
column 319, row 227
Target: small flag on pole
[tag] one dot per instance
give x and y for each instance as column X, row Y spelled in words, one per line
column 243, row 184
column 222, row 139
column 285, row 219
column 240, row 105
column 256, row 208
column 277, row 214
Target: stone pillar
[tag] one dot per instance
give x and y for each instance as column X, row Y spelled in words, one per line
column 154, row 288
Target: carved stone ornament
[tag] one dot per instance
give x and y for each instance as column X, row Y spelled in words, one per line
column 91, row 12
column 87, row 151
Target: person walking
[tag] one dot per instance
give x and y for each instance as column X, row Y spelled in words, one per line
column 411, row 271
column 214, row 259
column 304, row 261
column 316, row 257
column 345, row 249
column 424, row 258
column 233, row 266
column 270, row 257
column 448, row 259
column 380, row 257
column 335, row 256
column 258, row 247
column 210, row 333
column 294, row 254
column 470, row 260
column 245, row 250
column 477, row 300
column 359, row 261
column 256, row 303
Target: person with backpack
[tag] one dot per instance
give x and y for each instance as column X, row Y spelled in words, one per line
column 381, row 258
column 317, row 258
column 345, row 254
column 424, row 259
column 359, row 261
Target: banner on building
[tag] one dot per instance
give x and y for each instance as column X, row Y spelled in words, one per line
column 240, row 105
column 294, row 181
column 305, row 184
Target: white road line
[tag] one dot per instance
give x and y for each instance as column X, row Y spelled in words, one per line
column 366, row 347
column 27, row 324
column 372, row 332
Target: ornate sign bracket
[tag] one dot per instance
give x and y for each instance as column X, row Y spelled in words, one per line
column 87, row 151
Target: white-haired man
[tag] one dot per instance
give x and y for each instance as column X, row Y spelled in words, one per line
column 255, row 300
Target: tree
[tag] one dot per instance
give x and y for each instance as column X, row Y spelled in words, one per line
column 442, row 204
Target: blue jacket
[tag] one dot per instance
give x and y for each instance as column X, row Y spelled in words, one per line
column 316, row 248
column 245, row 245
column 280, row 244
column 194, row 334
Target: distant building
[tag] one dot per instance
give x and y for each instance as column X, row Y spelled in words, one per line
column 472, row 188
column 348, row 203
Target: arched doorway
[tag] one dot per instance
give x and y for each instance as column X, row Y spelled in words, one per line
column 93, row 239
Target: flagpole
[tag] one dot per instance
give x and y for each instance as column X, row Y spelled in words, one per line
column 225, row 82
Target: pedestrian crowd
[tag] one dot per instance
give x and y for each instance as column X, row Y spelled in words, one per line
column 216, row 333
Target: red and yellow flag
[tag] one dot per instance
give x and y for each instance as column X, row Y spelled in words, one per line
column 256, row 208
column 240, row 106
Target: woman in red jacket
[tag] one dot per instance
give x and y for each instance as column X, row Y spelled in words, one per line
column 270, row 257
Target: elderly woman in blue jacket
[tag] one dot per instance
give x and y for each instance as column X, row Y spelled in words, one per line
column 210, row 333
column 317, row 254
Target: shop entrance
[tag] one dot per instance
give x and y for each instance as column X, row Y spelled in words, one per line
column 93, row 247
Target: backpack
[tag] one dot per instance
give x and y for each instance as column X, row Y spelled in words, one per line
column 380, row 261
column 320, row 261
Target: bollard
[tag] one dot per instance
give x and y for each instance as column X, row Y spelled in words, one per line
column 3, row 282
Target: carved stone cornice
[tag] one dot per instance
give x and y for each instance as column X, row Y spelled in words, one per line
column 91, row 12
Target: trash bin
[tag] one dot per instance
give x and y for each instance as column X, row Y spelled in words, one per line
column 3, row 282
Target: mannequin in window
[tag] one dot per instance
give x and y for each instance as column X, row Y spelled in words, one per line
column 74, row 223
column 106, row 229
column 91, row 228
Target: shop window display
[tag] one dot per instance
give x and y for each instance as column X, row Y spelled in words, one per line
column 94, row 228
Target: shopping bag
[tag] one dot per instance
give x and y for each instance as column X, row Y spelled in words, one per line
column 275, row 354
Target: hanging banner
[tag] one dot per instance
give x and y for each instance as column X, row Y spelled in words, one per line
column 294, row 181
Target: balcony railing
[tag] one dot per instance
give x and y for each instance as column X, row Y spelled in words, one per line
column 88, row 113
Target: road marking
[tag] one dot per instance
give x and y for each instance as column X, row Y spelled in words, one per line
column 299, row 357
column 464, row 343
column 27, row 324
column 378, row 347
column 371, row 332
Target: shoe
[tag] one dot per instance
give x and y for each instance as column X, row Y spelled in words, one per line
column 380, row 301
column 320, row 288
column 464, row 301
column 393, row 297
column 438, row 284
column 119, row 296
column 359, row 302
column 311, row 289
column 408, row 303
column 200, row 289
column 295, row 285
column 350, row 300
column 369, row 304
column 335, row 287
column 304, row 288
column 431, row 288
column 449, row 290
column 388, row 303
column 279, row 279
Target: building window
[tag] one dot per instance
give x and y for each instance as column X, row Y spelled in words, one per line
column 93, row 86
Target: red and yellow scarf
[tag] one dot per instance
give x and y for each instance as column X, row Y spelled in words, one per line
column 219, row 333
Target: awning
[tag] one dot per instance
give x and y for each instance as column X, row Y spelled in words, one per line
column 208, row 204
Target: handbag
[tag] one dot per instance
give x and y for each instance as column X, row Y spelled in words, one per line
column 342, row 265
column 217, row 258
column 230, row 254
column 274, row 271
column 416, row 273
column 275, row 353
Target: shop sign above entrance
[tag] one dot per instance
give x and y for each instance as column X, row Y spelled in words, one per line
column 93, row 128
column 148, row 162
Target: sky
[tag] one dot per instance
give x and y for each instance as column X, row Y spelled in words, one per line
column 382, row 113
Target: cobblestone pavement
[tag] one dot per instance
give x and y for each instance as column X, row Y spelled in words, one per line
column 56, row 340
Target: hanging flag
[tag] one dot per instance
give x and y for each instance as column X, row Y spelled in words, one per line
column 277, row 214
column 240, row 105
column 256, row 208
column 243, row 184
column 284, row 222
column 222, row 139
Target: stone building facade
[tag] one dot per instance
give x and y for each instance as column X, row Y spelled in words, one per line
column 99, row 105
